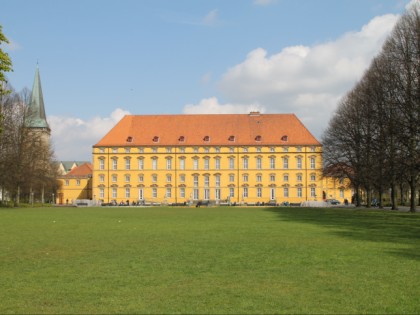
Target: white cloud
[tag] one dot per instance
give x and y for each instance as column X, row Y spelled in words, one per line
column 212, row 106
column 210, row 18
column 305, row 80
column 73, row 137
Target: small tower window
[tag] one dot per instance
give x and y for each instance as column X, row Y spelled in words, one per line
column 284, row 138
column 231, row 138
column 129, row 139
column 258, row 138
column 155, row 139
column 181, row 139
column 206, row 138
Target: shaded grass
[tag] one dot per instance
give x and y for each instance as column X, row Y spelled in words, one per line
column 215, row 260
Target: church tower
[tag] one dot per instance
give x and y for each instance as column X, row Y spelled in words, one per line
column 36, row 119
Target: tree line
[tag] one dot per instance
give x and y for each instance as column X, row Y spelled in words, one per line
column 373, row 137
column 28, row 169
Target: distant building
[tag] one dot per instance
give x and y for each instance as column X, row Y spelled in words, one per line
column 237, row 158
column 76, row 184
column 66, row 166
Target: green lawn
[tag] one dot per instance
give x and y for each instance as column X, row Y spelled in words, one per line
column 208, row 260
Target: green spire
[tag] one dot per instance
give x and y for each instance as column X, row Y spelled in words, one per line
column 36, row 115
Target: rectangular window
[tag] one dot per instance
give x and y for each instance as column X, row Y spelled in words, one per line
column 154, row 192
column 66, row 183
column 313, row 193
column 154, row 164
column 196, row 194
column 217, row 180
column 141, row 164
column 206, row 194
column 127, row 164
column 299, row 163
column 206, row 164
column 206, row 181
column 141, row 194
column 168, row 178
column 217, row 194
column 299, row 192
column 341, row 193
column 272, row 163
column 154, row 178
column 182, row 164
column 182, row 178
column 101, row 164
column 312, row 163
column 272, row 178
column 195, row 165
column 313, row 177
column 231, row 178
column 245, row 178
column 217, row 166
column 114, row 164
column 285, row 178
column 101, row 193
column 245, row 164
column 299, row 177
column 182, row 192
column 141, row 178
column 127, row 192
column 285, row 163
column 259, row 163
column 231, row 163
column 195, row 181
column 259, row 178
column 114, row 192
column 231, row 192
column 101, row 178
column 245, row 192
column 168, row 192
column 127, row 178
column 259, row 192
column 168, row 164
column 286, row 192
column 114, row 178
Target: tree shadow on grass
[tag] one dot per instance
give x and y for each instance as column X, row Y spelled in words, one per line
column 361, row 224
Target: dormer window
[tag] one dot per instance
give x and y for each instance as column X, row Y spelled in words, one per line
column 129, row 139
column 258, row 138
column 181, row 139
column 231, row 138
column 206, row 138
column 284, row 138
column 155, row 139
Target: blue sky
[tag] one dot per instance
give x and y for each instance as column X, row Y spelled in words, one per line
column 99, row 60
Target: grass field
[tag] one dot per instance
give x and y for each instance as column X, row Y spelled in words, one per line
column 208, row 260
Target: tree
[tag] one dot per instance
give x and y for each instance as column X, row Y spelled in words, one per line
column 375, row 132
column 5, row 64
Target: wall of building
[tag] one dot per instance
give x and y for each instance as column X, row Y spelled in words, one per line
column 243, row 174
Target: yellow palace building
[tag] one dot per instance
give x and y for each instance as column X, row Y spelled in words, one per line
column 221, row 158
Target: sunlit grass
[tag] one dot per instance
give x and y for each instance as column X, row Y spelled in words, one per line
column 208, row 260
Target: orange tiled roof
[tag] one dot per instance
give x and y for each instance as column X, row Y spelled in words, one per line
column 80, row 171
column 207, row 130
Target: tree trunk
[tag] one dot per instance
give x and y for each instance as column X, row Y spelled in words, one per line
column 393, row 198
column 413, row 194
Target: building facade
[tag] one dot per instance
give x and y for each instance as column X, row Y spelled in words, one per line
column 237, row 158
column 75, row 185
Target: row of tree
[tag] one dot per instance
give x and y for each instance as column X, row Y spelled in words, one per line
column 374, row 136
column 28, row 169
